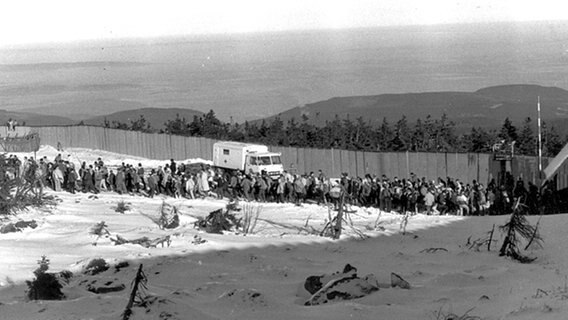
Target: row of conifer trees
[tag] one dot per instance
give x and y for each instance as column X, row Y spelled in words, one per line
column 423, row 135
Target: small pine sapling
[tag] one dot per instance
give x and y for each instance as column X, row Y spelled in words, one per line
column 45, row 286
column 122, row 207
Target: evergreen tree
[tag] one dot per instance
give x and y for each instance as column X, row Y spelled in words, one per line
column 429, row 140
column 235, row 133
column 402, row 136
column 445, row 136
column 364, row 136
column 348, row 139
column 552, row 144
column 119, row 125
column 478, row 140
column 251, row 132
column 307, row 132
column 527, row 144
column 195, row 128
column 417, row 140
column 141, row 125
column 336, row 133
column 384, row 136
column 323, row 137
column 211, row 127
column 276, row 132
column 295, row 137
column 178, row 126
column 508, row 131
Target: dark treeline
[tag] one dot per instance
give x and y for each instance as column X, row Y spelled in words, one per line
column 424, row 135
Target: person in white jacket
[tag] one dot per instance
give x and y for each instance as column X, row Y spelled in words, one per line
column 57, row 178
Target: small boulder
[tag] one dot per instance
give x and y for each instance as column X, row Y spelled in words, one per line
column 398, row 281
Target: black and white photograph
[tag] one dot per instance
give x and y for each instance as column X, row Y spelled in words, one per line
column 212, row 160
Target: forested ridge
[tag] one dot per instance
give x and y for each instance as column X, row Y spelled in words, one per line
column 423, row 135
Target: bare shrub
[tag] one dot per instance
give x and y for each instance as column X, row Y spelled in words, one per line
column 96, row 266
column 251, row 212
column 100, row 229
column 218, row 221
column 440, row 314
column 169, row 216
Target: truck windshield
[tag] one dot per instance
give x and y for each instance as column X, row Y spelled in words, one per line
column 264, row 161
column 276, row 160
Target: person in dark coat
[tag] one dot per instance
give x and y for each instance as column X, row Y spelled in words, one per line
column 152, row 183
column 111, row 181
column 141, row 177
column 87, row 179
column 71, row 179
column 246, row 185
column 120, row 182
column 173, row 166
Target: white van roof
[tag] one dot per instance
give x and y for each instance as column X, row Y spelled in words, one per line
column 235, row 144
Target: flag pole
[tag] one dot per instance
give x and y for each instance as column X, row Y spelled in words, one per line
column 539, row 139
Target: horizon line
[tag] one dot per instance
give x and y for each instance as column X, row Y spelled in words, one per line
column 36, row 44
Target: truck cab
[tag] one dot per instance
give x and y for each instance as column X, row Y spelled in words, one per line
column 269, row 162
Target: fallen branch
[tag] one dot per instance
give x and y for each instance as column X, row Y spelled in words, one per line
column 540, row 293
column 377, row 221
column 144, row 241
column 433, row 250
column 310, row 230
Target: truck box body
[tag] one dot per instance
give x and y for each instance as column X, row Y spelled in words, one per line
column 246, row 157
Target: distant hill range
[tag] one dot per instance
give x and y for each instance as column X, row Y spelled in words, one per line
column 486, row 107
column 33, row 119
column 155, row 116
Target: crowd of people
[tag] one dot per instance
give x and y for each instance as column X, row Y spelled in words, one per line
column 408, row 195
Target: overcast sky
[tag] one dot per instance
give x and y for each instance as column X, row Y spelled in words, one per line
column 31, row 21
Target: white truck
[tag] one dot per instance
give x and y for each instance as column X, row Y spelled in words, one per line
column 246, row 158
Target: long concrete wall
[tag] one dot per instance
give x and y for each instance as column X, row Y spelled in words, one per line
column 464, row 166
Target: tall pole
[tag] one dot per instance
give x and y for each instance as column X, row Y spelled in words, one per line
column 539, row 140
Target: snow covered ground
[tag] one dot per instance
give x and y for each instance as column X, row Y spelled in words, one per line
column 260, row 275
